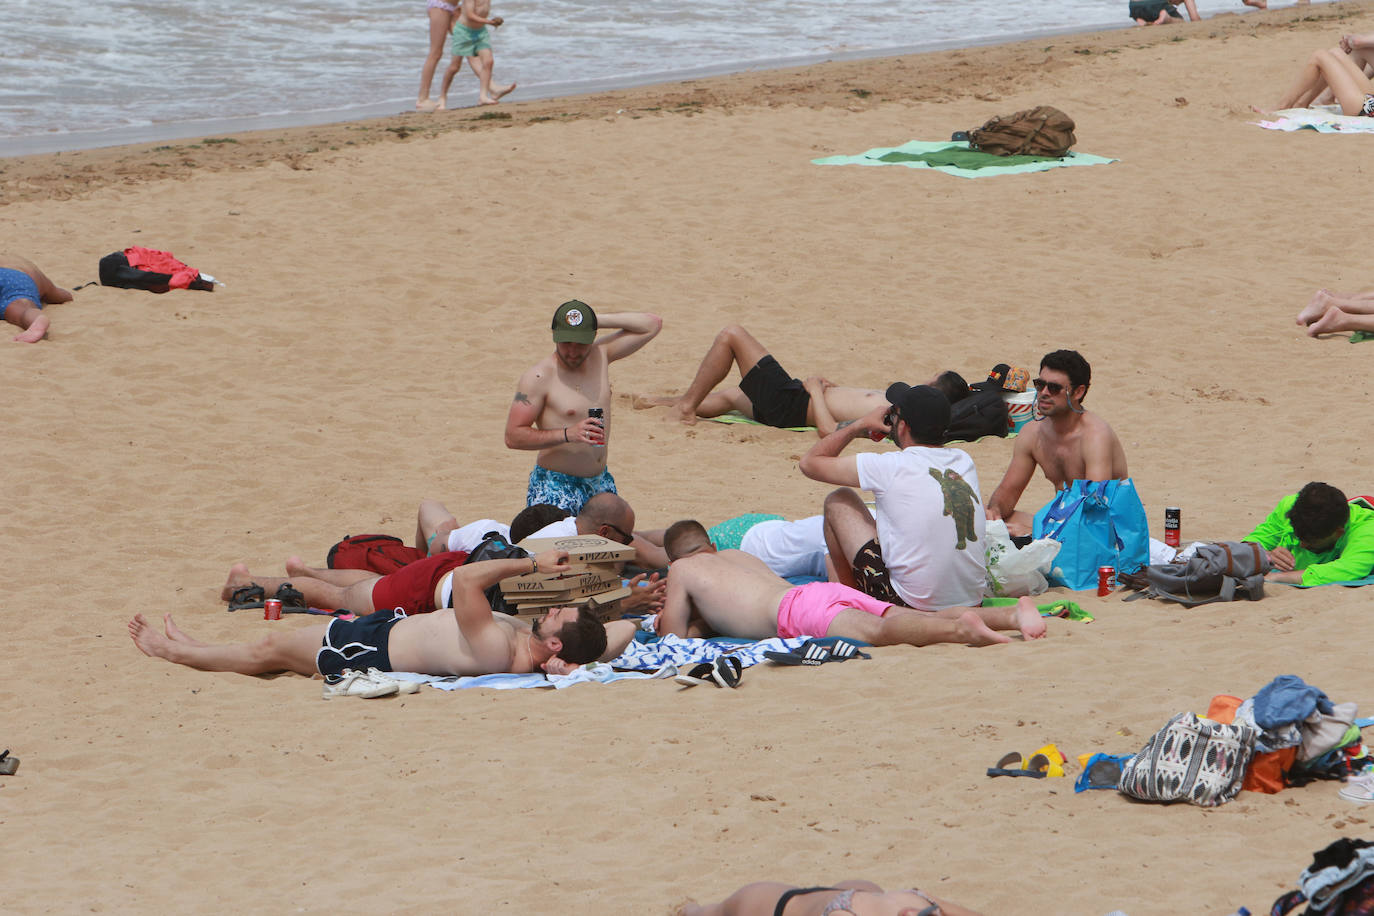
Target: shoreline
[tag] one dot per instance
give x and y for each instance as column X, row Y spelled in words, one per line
column 164, row 132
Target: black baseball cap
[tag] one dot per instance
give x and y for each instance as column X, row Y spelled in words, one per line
column 924, row 409
column 574, row 322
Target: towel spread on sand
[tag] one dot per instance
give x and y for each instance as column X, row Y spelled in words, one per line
column 1361, row 335
column 654, row 659
column 735, row 416
column 1352, row 583
column 1326, row 119
column 955, row 158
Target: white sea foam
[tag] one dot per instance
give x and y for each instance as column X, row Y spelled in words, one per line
column 76, row 68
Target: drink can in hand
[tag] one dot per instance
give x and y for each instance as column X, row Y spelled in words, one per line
column 599, row 413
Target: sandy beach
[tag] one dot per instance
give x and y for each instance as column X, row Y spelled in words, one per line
column 387, row 281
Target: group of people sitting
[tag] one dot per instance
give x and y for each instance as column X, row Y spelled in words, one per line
column 911, row 570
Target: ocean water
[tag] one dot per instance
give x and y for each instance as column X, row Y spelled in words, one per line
column 83, row 74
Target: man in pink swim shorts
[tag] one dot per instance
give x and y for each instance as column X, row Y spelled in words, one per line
column 732, row 593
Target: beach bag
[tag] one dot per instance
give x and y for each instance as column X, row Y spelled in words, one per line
column 1014, row 573
column 379, row 553
column 982, row 413
column 1097, row 523
column 1216, row 572
column 495, row 547
column 1039, row 131
column 116, row 269
column 1190, row 759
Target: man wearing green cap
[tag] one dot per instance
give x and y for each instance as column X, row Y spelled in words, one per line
column 554, row 401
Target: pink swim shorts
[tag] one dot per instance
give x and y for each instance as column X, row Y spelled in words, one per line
column 807, row 610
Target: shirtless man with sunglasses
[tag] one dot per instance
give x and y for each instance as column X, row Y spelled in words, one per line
column 1068, row 443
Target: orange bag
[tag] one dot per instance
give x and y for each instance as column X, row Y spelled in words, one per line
column 1267, row 771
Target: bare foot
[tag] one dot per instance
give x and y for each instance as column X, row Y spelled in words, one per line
column 646, row 401
column 426, row 105
column 1028, row 619
column 685, row 416
column 1257, row 4
column 34, row 332
column 1315, row 308
column 499, row 94
column 148, row 639
column 295, row 566
column 176, row 634
column 973, row 632
column 1333, row 320
column 238, row 576
column 442, row 104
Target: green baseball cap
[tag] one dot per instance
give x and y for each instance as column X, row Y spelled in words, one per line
column 574, row 322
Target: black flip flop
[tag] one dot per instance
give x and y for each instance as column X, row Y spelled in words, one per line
column 247, row 597
column 808, row 653
column 292, row 601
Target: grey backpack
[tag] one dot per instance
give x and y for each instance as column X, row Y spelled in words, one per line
column 1217, row 572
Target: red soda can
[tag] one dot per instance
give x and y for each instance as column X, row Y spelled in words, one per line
column 1106, row 576
column 271, row 609
column 1172, row 515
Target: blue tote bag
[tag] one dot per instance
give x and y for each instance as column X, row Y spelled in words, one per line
column 1097, row 523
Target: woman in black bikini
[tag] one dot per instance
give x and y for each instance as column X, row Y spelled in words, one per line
column 851, row 898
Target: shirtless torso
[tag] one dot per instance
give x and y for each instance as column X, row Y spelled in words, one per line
column 475, row 13
column 560, row 396
column 433, row 643
column 844, row 404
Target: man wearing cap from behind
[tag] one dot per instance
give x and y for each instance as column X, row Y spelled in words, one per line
column 550, row 413
column 924, row 549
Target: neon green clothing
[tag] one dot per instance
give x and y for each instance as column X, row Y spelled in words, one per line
column 1350, row 558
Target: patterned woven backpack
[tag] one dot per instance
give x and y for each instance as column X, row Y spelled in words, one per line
column 1190, row 759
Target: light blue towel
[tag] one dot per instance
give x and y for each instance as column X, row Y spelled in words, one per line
column 874, row 157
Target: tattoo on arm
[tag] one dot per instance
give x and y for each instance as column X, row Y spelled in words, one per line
column 521, row 397
column 843, row 423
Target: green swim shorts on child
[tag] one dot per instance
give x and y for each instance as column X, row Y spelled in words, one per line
column 467, row 42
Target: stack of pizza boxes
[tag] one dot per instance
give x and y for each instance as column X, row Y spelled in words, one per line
column 593, row 579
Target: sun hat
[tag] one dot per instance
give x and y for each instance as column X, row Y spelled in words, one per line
column 574, row 322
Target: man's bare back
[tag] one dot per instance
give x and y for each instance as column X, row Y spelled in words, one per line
column 743, row 604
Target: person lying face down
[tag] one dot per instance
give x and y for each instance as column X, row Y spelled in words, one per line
column 1316, row 537
column 465, row 640
column 771, row 898
column 731, row 593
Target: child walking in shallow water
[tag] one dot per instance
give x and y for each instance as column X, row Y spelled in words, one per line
column 441, row 16
column 471, row 40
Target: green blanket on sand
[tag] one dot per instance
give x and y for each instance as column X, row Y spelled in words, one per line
column 955, row 158
column 1361, row 335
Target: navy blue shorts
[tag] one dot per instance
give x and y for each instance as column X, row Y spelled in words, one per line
column 358, row 644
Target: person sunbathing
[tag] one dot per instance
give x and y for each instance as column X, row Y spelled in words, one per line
column 470, row 640
column 731, row 593
column 1330, row 312
column 1330, row 69
column 767, row 394
column 24, row 290
column 856, row 898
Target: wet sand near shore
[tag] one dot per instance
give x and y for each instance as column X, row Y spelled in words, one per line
column 386, row 282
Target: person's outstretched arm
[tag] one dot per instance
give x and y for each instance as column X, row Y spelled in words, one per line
column 633, row 330
column 825, row 463
column 1003, row 501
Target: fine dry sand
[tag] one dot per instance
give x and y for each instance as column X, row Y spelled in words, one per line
column 387, row 282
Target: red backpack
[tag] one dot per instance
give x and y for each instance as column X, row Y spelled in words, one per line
column 379, row 553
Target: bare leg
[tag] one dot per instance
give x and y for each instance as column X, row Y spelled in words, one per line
column 1023, row 616
column 292, row 650
column 732, row 346
column 431, row 522
column 26, row 314
column 356, row 597
column 439, row 25
column 295, row 567
column 1337, row 320
column 453, row 67
column 1324, row 69
column 483, row 65
column 48, row 291
column 713, row 405
column 1191, row 7
column 904, row 626
column 848, row 526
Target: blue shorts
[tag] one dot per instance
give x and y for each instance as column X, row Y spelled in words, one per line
column 358, row 644
column 467, row 42
column 564, row 490
column 15, row 284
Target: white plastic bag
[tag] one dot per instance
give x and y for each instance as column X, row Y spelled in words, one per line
column 1013, row 573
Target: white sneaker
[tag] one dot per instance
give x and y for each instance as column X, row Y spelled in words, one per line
column 402, row 687
column 352, row 683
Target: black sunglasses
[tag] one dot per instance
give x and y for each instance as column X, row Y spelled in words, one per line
column 625, row 536
column 1042, row 385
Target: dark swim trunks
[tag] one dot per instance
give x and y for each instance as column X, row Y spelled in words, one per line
column 358, row 644
column 1149, row 10
column 871, row 576
column 777, row 398
column 411, row 588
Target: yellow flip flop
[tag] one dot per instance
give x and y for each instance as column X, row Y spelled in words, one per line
column 1048, row 760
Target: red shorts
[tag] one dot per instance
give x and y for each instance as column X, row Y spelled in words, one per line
column 411, row 588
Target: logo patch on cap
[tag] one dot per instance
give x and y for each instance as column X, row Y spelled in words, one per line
column 573, row 317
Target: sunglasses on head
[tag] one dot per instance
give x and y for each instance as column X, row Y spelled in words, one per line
column 1042, row 385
